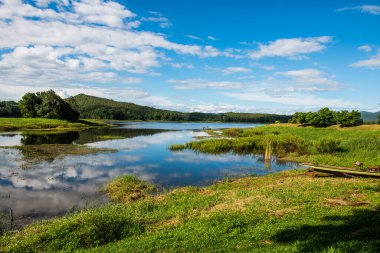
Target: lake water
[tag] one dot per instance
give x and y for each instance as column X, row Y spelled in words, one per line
column 49, row 188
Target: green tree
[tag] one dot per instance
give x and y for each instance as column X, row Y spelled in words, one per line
column 346, row 118
column 46, row 104
column 298, row 118
column 325, row 117
column 9, row 109
column 53, row 106
column 29, row 104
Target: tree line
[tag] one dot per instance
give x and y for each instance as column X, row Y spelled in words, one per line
column 48, row 104
column 101, row 108
column 9, row 109
column 326, row 117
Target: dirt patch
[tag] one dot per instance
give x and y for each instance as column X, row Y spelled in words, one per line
column 174, row 221
column 266, row 242
column 358, row 195
column 285, row 211
column 344, row 202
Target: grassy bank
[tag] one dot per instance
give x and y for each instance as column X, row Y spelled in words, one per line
column 12, row 124
column 328, row 146
column 284, row 212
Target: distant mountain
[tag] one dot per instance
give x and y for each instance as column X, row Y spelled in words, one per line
column 102, row 108
column 370, row 117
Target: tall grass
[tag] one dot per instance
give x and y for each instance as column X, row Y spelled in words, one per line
column 329, row 146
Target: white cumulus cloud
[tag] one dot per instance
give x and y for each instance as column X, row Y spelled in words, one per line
column 291, row 48
column 309, row 76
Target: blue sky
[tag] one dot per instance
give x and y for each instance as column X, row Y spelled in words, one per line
column 210, row 56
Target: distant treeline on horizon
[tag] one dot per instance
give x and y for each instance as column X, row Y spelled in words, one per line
column 49, row 105
column 100, row 108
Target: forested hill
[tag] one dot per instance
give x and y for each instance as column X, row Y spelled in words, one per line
column 370, row 117
column 101, row 108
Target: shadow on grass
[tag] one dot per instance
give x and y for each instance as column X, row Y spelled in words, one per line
column 359, row 232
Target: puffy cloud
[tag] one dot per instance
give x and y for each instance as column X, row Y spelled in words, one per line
column 291, row 48
column 308, row 76
column 100, row 12
column 370, row 9
column 79, row 42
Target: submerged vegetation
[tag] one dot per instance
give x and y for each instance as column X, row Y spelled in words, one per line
column 328, row 146
column 284, row 212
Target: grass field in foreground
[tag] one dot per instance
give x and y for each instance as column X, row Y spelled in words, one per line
column 11, row 124
column 283, row 212
column 327, row 146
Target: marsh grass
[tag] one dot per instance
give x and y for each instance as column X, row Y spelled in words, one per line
column 328, row 146
column 283, row 212
column 12, row 124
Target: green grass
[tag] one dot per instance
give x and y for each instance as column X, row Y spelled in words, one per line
column 11, row 124
column 327, row 146
column 283, row 212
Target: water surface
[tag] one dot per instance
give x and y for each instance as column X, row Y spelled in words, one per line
column 49, row 188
